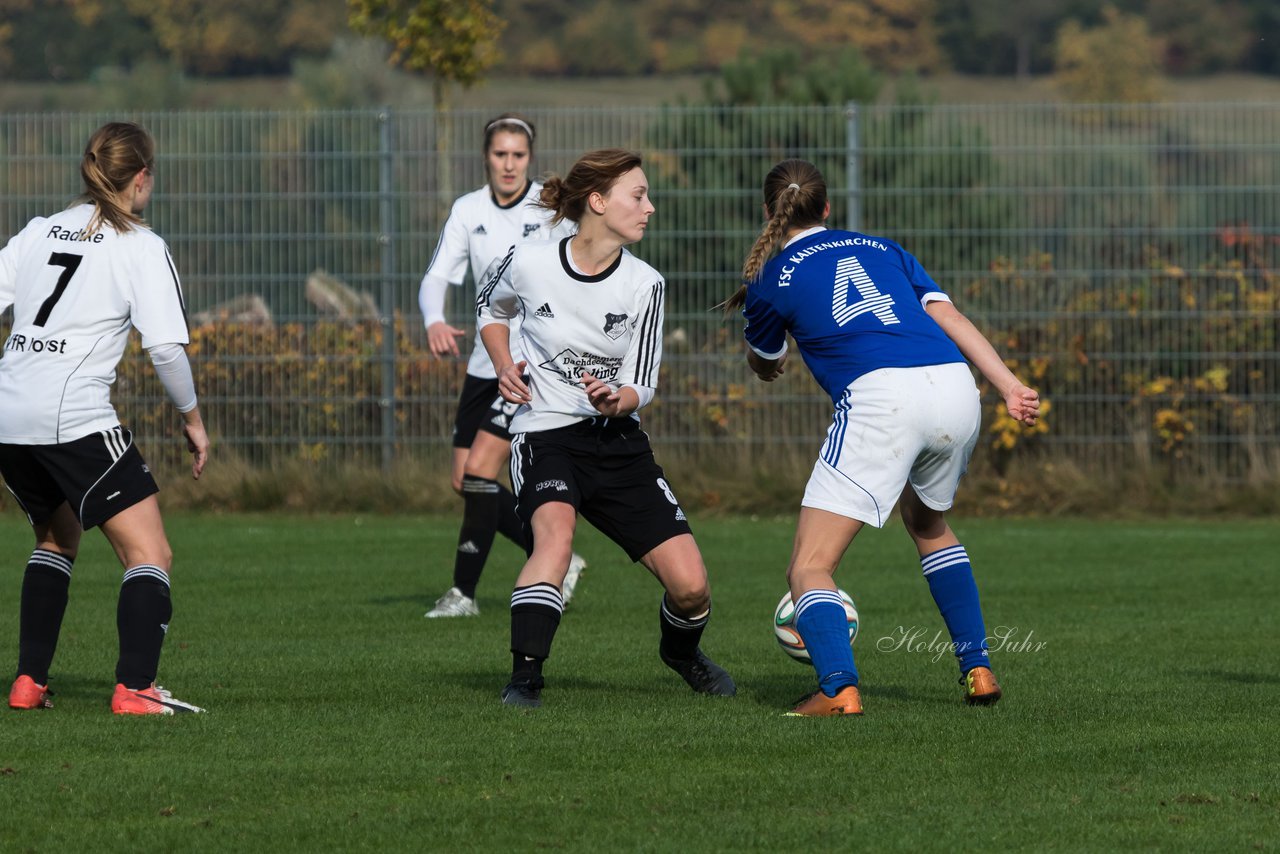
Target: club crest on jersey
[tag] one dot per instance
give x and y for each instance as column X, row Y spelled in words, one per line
column 615, row 325
column 531, row 227
column 569, row 366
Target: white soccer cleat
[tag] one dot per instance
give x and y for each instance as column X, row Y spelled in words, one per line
column 454, row 604
column 576, row 564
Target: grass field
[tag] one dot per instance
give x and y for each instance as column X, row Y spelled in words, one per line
column 1140, row 710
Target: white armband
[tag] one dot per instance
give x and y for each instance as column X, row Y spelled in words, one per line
column 174, row 370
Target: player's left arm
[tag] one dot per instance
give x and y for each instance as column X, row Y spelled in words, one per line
column 638, row 376
column 1022, row 401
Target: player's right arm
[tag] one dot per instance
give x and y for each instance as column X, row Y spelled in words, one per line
column 1022, row 401
column 496, row 305
column 448, row 266
column 10, row 257
column 766, row 334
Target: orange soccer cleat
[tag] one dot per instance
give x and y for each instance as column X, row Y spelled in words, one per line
column 26, row 694
column 152, row 700
column 846, row 702
column 980, row 687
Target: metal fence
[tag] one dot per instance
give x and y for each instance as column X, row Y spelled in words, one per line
column 1122, row 257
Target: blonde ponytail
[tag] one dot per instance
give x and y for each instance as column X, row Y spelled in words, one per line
column 115, row 153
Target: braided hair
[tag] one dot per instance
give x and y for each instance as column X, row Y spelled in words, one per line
column 795, row 195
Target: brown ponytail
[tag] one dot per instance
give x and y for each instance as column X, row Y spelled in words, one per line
column 113, row 156
column 795, row 195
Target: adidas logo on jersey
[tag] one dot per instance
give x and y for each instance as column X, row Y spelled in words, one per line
column 479, row 229
column 545, row 311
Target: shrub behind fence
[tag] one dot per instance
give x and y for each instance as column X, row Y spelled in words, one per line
column 1123, row 258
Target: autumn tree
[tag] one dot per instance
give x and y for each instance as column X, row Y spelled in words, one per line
column 222, row 36
column 455, row 41
column 894, row 35
column 1114, row 62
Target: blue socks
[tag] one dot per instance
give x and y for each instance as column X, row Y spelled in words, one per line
column 951, row 582
column 824, row 628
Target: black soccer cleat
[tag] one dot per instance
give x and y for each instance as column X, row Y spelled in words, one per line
column 702, row 674
column 524, row 693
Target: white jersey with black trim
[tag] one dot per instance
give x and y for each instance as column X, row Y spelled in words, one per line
column 478, row 231
column 608, row 325
column 75, row 296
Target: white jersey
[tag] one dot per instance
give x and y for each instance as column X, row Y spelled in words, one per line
column 608, row 325
column 480, row 230
column 75, row 297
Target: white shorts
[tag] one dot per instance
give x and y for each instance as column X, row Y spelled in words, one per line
column 892, row 427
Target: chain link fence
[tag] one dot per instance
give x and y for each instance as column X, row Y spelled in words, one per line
column 1123, row 258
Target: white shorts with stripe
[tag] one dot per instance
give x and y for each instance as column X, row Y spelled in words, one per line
column 893, row 427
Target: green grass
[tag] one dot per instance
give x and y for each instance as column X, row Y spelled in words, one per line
column 341, row 720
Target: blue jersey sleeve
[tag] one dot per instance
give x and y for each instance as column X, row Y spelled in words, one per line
column 921, row 282
column 766, row 330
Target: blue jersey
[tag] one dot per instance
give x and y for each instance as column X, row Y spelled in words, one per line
column 853, row 304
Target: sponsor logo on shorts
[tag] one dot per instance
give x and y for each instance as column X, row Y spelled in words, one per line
column 469, row 548
column 680, row 515
column 146, row 468
column 557, row 485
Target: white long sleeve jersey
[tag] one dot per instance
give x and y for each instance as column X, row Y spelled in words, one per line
column 75, row 296
column 479, row 231
column 608, row 325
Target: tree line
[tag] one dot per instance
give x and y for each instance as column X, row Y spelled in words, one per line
column 75, row 39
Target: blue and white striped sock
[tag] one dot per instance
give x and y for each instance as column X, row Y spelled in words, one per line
column 950, row 578
column 823, row 626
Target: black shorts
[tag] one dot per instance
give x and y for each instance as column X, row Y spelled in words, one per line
column 605, row 468
column 480, row 407
column 97, row 475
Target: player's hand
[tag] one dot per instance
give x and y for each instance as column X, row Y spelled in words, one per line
column 774, row 370
column 198, row 445
column 442, row 339
column 605, row 398
column 511, row 383
column 1023, row 404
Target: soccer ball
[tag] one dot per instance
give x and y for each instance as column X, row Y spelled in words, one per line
column 784, row 626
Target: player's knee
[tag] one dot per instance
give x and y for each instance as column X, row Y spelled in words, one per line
column 690, row 596
column 923, row 522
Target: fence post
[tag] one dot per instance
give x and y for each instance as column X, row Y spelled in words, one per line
column 852, row 167
column 386, row 228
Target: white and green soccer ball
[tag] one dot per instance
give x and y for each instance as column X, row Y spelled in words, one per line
column 784, row 626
